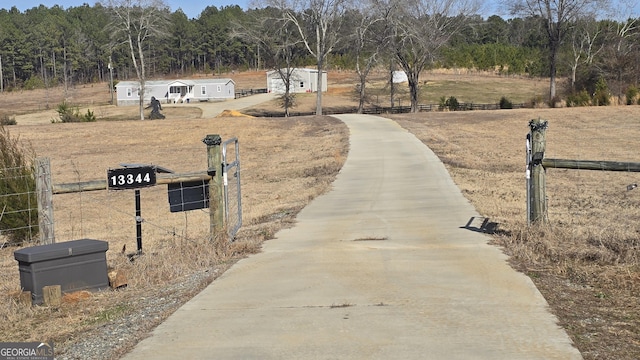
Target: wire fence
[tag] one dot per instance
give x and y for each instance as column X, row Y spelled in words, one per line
column 18, row 205
column 153, row 214
column 114, row 216
column 104, row 214
column 232, row 193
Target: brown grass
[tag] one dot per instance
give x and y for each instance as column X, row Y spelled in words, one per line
column 586, row 261
column 285, row 164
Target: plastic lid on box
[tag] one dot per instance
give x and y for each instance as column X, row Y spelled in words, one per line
column 60, row 250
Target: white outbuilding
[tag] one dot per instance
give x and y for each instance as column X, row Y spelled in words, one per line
column 302, row 80
column 400, row 77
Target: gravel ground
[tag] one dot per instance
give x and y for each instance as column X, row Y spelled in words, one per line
column 145, row 310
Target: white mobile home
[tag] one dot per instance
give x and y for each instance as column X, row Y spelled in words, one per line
column 176, row 91
column 302, row 80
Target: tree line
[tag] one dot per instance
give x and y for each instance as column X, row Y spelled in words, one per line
column 51, row 46
column 44, row 47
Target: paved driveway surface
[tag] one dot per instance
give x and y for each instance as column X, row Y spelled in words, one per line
column 381, row 267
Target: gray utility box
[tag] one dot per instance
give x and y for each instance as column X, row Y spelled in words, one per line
column 74, row 265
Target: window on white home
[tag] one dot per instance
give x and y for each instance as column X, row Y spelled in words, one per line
column 203, row 90
column 301, row 84
column 219, row 88
column 129, row 92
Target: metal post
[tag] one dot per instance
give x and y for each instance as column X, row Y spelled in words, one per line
column 216, row 199
column 138, row 222
column 528, row 177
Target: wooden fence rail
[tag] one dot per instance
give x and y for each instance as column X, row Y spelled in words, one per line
column 95, row 185
column 213, row 174
column 590, row 165
column 537, row 165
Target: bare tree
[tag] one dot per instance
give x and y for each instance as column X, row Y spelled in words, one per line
column 134, row 22
column 558, row 16
column 280, row 44
column 319, row 24
column 366, row 46
column 583, row 46
column 419, row 29
column 621, row 56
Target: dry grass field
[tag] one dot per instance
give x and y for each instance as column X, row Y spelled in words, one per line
column 285, row 164
column 586, row 261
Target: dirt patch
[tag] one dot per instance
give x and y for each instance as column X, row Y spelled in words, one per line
column 233, row 113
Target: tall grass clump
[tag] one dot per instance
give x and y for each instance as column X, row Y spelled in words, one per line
column 179, row 257
column 7, row 120
column 580, row 98
column 18, row 200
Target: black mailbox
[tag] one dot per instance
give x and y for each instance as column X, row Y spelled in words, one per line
column 191, row 195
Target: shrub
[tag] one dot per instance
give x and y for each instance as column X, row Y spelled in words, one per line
column 632, row 95
column 7, row 120
column 69, row 113
column 601, row 96
column 505, row 103
column 34, row 82
column 451, row 103
column 581, row 98
column 89, row 116
column 18, row 205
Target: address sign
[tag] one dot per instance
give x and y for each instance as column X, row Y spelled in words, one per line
column 131, row 177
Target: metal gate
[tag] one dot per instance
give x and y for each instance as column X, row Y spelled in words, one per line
column 231, row 179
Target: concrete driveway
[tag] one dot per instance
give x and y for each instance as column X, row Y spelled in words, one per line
column 381, row 267
column 214, row 108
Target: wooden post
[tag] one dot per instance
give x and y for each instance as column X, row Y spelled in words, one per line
column 117, row 278
column 216, row 199
column 44, row 189
column 538, row 183
column 52, row 295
